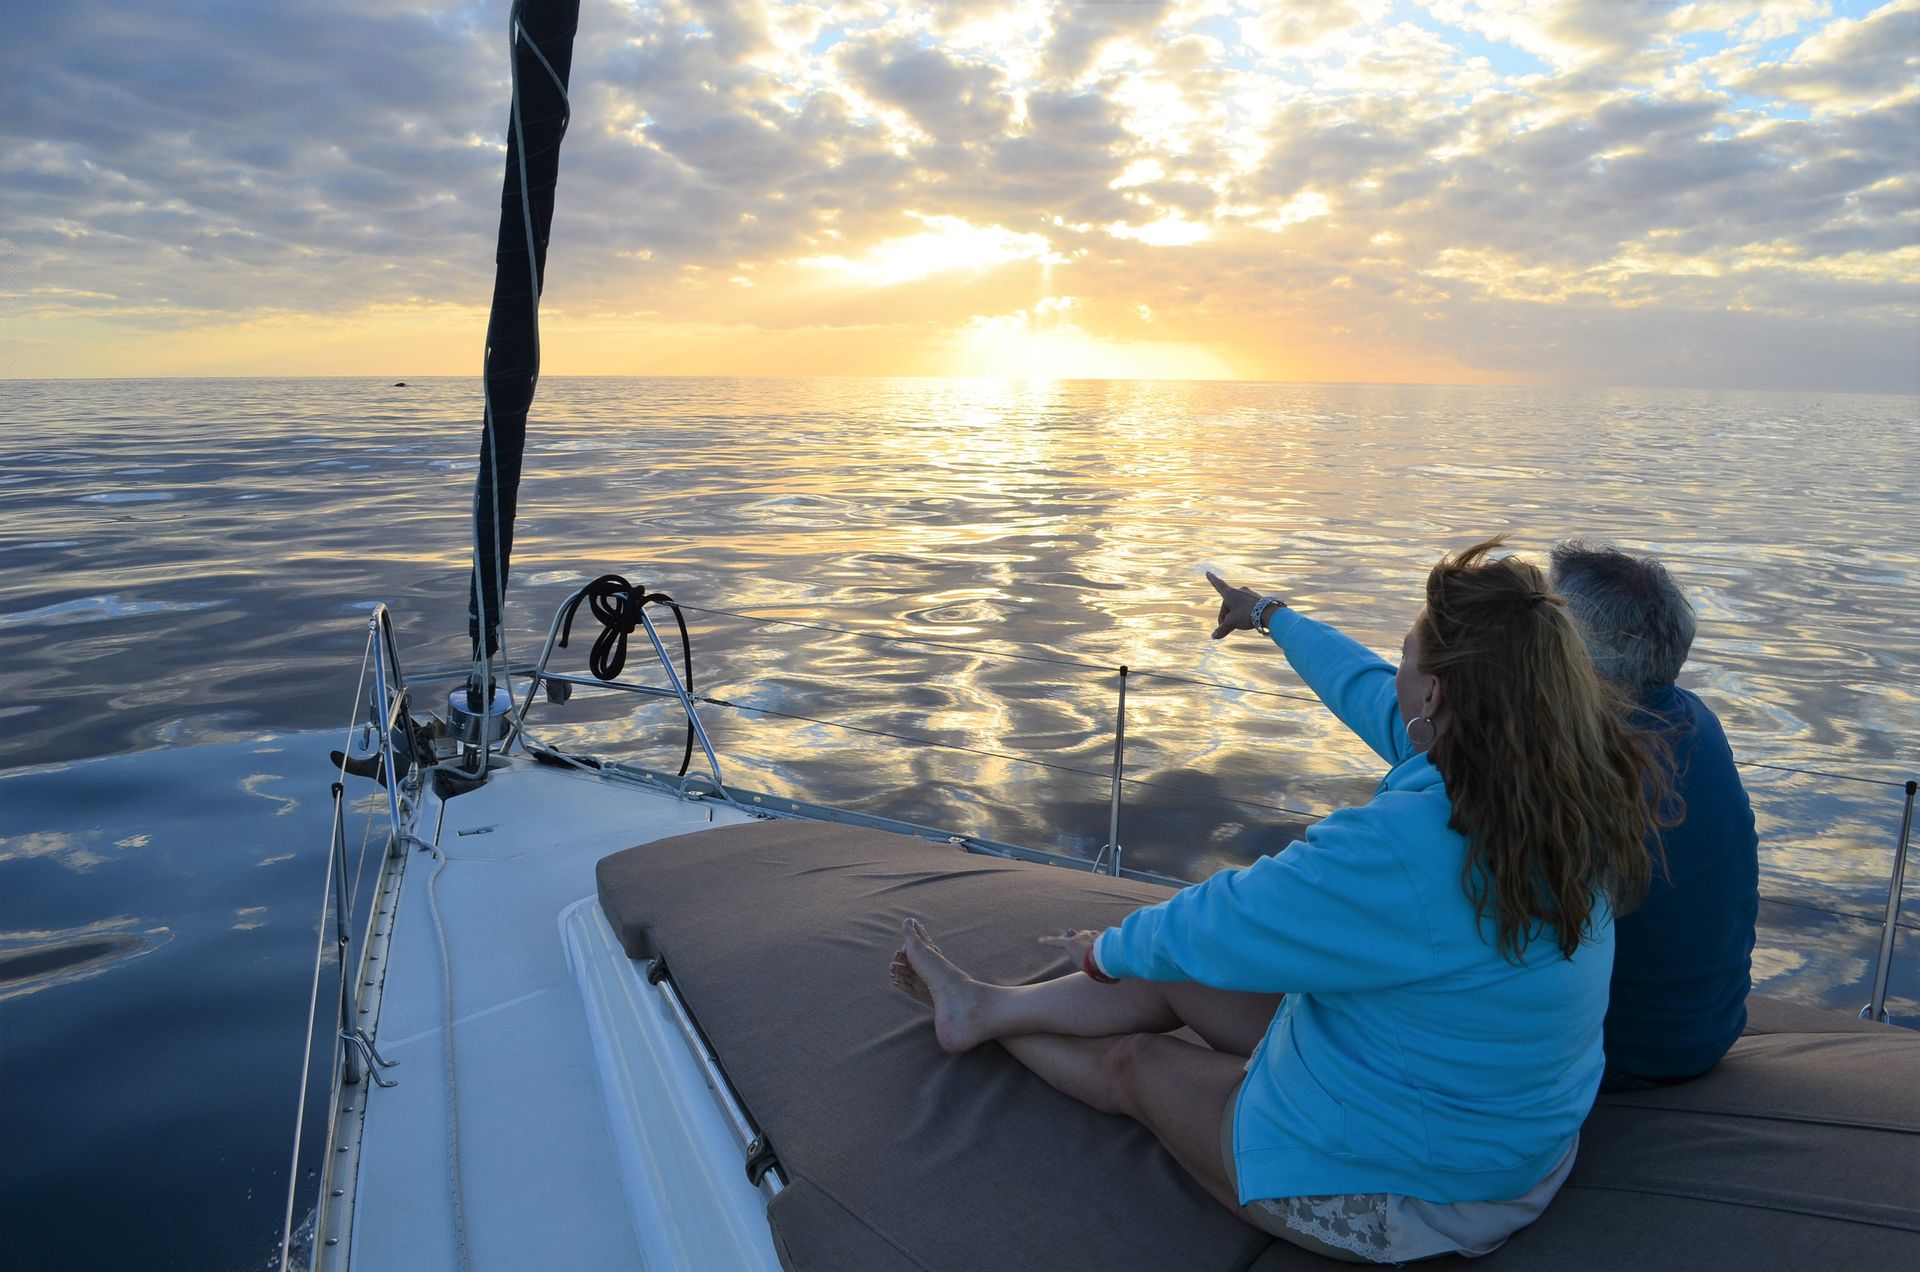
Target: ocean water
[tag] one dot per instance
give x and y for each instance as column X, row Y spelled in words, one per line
column 186, row 569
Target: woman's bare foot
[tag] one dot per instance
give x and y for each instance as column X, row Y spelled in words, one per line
column 908, row 981
column 931, row 979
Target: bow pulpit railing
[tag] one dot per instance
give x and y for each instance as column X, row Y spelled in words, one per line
column 622, row 609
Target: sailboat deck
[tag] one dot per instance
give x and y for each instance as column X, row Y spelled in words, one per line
column 539, row 1174
column 583, row 1135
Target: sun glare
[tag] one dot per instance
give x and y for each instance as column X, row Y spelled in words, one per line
column 1168, row 231
column 1045, row 344
column 948, row 244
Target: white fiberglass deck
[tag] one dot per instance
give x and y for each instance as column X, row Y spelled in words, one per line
column 549, row 1175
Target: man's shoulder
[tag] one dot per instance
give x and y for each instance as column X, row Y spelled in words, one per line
column 1695, row 706
column 1683, row 715
column 1700, row 729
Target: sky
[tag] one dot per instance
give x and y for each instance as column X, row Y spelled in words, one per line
column 1715, row 194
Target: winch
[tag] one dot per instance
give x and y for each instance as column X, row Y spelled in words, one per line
column 475, row 723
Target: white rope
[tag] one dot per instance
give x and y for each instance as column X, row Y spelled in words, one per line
column 483, row 659
column 453, row 1088
column 551, row 73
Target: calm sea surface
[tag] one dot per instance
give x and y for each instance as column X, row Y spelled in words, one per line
column 186, row 569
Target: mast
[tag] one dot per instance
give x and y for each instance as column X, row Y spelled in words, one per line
column 542, row 42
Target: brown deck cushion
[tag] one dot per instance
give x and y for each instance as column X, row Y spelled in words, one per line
column 900, row 1156
column 1801, row 1150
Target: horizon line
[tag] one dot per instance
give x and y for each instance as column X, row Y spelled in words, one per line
column 1608, row 386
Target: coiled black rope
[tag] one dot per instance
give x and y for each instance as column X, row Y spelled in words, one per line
column 617, row 604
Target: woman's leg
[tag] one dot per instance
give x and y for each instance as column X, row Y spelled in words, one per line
column 1176, row 1089
column 969, row 1012
column 1128, row 1064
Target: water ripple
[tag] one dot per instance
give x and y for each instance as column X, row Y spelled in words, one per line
column 1066, row 521
column 93, row 608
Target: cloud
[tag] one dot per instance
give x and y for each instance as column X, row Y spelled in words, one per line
column 1287, row 28
column 954, row 101
column 1408, row 180
column 1847, row 63
column 1081, row 31
column 1567, row 34
column 1747, row 20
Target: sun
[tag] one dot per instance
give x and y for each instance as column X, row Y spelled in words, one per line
column 1045, row 343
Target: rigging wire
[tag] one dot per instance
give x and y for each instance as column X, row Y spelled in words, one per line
column 1869, row 919
column 1138, row 781
column 306, row 1050
column 1809, row 772
column 366, row 837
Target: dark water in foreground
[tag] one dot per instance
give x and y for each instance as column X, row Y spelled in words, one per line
column 187, row 568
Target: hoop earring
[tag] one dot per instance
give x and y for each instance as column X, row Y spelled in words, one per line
column 1433, row 732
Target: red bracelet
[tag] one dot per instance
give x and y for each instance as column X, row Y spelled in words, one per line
column 1092, row 969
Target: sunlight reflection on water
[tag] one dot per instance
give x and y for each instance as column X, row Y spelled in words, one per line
column 191, row 563
column 209, row 594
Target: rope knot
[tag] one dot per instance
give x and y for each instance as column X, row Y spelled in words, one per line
column 617, row 604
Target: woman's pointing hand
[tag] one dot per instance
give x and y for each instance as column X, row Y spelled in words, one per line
column 1236, row 606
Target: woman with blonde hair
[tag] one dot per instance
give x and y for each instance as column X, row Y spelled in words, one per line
column 1402, row 1012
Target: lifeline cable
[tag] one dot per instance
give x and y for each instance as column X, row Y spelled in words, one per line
column 999, row 653
column 1003, row 755
column 1175, row 678
column 319, row 955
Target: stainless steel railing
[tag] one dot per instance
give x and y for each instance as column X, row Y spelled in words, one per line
column 1876, row 1008
column 542, row 677
column 354, row 1057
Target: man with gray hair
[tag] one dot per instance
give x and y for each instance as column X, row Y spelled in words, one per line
column 1683, row 958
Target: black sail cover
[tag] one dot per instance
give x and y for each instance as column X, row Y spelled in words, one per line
column 513, row 346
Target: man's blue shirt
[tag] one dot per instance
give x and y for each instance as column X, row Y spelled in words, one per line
column 1683, row 958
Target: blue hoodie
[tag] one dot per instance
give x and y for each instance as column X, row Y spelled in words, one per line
column 1409, row 1057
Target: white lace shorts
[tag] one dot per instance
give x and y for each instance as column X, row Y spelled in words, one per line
column 1390, row 1228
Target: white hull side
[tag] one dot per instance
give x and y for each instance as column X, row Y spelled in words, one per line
column 686, row 1180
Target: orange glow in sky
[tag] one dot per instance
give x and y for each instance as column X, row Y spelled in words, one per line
column 1534, row 191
